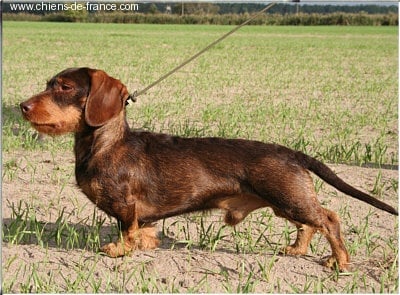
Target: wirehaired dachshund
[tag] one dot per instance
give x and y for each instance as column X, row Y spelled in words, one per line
column 140, row 177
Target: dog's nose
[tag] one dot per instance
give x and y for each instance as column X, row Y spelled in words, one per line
column 25, row 107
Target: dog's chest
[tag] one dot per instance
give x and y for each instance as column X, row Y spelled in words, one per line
column 92, row 188
column 109, row 186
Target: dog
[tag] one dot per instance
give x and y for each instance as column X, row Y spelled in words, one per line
column 140, row 177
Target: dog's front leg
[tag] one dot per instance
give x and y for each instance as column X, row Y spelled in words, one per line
column 134, row 235
column 127, row 242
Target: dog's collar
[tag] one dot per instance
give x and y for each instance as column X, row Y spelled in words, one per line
column 131, row 98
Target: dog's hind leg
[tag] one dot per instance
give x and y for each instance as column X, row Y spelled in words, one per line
column 331, row 230
column 324, row 221
column 293, row 197
column 303, row 240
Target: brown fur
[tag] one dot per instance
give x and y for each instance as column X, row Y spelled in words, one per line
column 141, row 177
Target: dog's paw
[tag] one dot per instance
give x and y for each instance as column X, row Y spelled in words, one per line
column 116, row 249
column 148, row 238
column 292, row 250
column 332, row 263
column 149, row 243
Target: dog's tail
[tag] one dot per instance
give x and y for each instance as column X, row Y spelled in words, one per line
column 325, row 173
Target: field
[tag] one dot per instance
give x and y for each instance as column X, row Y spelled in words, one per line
column 331, row 92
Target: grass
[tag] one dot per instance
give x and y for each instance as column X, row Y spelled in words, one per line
column 318, row 89
column 329, row 91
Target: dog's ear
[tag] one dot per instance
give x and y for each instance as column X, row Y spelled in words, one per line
column 106, row 98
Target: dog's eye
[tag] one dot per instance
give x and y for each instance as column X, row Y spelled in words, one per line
column 65, row 87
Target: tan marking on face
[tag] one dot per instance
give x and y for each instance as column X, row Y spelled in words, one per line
column 47, row 117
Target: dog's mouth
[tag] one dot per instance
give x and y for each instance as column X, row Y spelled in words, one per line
column 49, row 128
column 45, row 125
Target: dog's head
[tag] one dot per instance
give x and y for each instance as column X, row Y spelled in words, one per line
column 73, row 99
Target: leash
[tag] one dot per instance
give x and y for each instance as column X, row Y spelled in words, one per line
column 133, row 97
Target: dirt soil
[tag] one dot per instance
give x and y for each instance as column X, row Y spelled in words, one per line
column 46, row 181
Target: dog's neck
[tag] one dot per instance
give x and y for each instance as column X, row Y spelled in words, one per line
column 99, row 140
